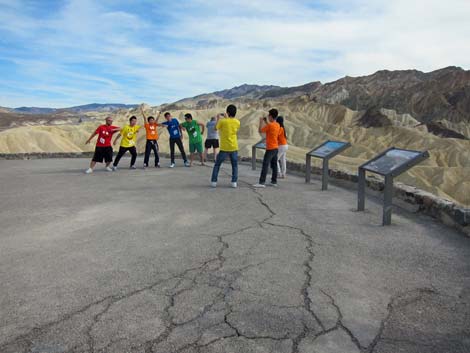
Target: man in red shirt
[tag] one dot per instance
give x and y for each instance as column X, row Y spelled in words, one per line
column 104, row 149
column 272, row 130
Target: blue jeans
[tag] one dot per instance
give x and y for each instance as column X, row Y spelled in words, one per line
column 220, row 159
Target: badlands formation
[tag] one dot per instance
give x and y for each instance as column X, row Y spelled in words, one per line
column 315, row 113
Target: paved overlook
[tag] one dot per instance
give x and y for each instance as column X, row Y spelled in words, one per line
column 156, row 261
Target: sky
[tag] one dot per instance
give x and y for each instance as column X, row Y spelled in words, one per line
column 66, row 53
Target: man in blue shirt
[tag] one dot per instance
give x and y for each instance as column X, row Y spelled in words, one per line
column 176, row 137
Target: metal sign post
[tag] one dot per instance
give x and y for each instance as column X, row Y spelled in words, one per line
column 259, row 145
column 390, row 164
column 325, row 152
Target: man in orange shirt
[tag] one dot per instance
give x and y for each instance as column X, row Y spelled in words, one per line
column 272, row 130
column 152, row 137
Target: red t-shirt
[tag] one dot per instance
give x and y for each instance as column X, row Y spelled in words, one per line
column 105, row 134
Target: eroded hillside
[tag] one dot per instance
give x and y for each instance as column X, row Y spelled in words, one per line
column 308, row 124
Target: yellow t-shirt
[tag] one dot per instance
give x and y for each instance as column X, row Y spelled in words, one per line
column 129, row 135
column 228, row 129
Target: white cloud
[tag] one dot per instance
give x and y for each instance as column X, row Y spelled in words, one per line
column 209, row 44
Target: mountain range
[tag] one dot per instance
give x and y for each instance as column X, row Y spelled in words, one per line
column 77, row 109
column 440, row 94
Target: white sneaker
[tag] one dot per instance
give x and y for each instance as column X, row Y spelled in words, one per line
column 109, row 169
column 89, row 171
column 273, row 184
column 187, row 164
column 132, row 167
column 114, row 168
column 213, row 184
column 172, row 165
column 259, row 185
column 234, row 185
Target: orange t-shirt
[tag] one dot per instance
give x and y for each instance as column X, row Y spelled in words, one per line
column 152, row 133
column 282, row 140
column 272, row 135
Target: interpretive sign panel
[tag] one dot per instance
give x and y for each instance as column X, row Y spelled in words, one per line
column 261, row 144
column 328, row 148
column 391, row 160
column 325, row 151
column 390, row 164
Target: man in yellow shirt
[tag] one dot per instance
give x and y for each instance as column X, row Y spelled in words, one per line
column 228, row 129
column 129, row 138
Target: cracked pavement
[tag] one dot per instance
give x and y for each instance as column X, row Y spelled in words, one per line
column 156, row 261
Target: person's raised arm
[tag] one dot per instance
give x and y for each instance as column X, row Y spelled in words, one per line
column 92, row 135
column 202, row 128
column 117, row 137
column 181, row 131
column 217, row 120
column 262, row 124
column 158, row 116
column 143, row 114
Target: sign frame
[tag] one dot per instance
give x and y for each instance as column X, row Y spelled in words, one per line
column 388, row 182
column 325, row 161
column 253, row 152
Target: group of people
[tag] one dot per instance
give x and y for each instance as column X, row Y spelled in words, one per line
column 222, row 132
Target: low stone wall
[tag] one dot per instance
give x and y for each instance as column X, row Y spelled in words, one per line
column 424, row 202
column 44, row 155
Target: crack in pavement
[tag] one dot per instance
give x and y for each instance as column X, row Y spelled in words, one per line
column 339, row 323
column 307, row 267
column 226, row 289
column 28, row 337
column 392, row 305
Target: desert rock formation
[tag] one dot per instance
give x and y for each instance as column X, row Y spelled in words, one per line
column 406, row 109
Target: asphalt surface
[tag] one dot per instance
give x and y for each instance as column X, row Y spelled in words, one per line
column 157, row 261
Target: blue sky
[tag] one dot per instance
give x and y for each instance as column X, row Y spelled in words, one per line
column 64, row 53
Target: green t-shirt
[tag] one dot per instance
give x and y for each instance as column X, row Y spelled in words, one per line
column 194, row 131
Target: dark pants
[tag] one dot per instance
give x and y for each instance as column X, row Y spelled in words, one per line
column 220, row 159
column 122, row 151
column 151, row 145
column 179, row 143
column 270, row 158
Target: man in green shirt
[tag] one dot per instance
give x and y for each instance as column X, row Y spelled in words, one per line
column 195, row 131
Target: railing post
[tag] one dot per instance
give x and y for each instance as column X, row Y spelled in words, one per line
column 324, row 179
column 388, row 204
column 361, row 190
column 253, row 158
column 308, row 168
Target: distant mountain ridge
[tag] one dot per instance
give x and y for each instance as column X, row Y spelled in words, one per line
column 77, row 109
column 438, row 95
column 428, row 97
